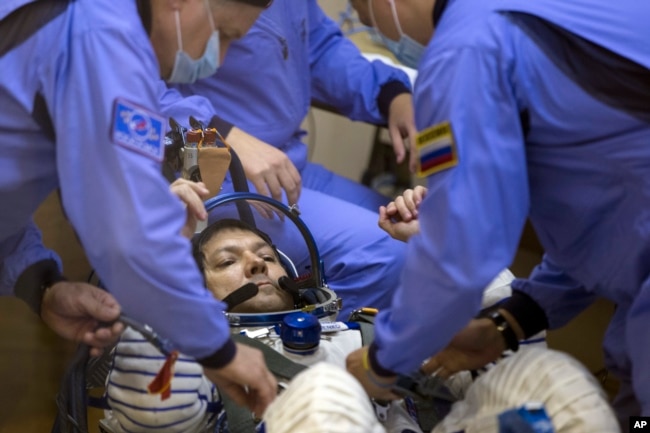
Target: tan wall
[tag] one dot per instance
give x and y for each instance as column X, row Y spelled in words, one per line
column 33, row 358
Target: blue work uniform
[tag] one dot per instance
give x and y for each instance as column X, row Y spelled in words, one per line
column 530, row 141
column 293, row 54
column 66, row 91
column 18, row 252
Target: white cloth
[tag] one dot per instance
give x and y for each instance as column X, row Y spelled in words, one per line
column 570, row 394
column 323, row 399
column 333, row 348
column 136, row 362
column 412, row 73
column 496, row 291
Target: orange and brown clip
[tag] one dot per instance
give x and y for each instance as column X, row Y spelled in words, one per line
column 162, row 383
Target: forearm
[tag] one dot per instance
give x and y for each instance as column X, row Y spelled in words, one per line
column 548, row 298
column 343, row 78
column 173, row 104
column 34, row 280
column 389, row 91
column 27, row 266
column 128, row 221
column 525, row 316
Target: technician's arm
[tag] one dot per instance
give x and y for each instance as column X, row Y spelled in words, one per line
column 173, row 104
column 127, row 219
column 71, row 309
column 248, row 368
column 269, row 169
column 192, row 195
column 471, row 218
column 368, row 91
column 401, row 127
column 549, row 299
column 342, row 77
column 74, row 310
column 22, row 251
column 399, row 217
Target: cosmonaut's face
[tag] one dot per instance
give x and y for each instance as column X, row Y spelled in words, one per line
column 235, row 257
column 231, row 19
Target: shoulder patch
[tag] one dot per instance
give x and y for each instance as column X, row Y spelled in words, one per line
column 436, row 149
column 138, row 129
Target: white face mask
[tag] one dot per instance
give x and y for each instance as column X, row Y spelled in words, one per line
column 188, row 70
column 407, row 50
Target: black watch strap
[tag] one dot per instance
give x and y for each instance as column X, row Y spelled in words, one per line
column 504, row 328
column 32, row 283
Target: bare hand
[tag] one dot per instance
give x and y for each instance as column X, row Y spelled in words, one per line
column 266, row 210
column 399, row 217
column 192, row 195
column 401, row 126
column 246, row 380
column 268, row 168
column 357, row 365
column 74, row 311
column 478, row 344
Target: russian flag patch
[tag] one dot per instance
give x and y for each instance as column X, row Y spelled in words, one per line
column 436, row 149
column 138, row 129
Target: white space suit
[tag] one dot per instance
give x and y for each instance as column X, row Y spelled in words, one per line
column 194, row 405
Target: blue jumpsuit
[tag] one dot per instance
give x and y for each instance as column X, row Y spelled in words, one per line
column 580, row 170
column 80, row 63
column 292, row 54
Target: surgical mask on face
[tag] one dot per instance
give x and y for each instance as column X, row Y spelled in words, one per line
column 407, row 50
column 187, row 69
column 379, row 38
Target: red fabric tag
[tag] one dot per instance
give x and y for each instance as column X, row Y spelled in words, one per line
column 162, row 383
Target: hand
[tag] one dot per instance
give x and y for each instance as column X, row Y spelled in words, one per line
column 401, row 126
column 246, row 380
column 478, row 344
column 74, row 311
column 192, row 195
column 377, row 387
column 268, row 168
column 399, row 217
column 266, row 210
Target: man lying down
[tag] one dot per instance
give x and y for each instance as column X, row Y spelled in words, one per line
column 232, row 255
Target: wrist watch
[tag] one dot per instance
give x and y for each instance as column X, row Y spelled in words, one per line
column 504, row 328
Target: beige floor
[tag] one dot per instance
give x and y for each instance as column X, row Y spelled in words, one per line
column 33, row 358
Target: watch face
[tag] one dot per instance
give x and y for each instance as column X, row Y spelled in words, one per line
column 505, row 330
column 497, row 318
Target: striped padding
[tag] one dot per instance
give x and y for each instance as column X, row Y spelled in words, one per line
column 570, row 394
